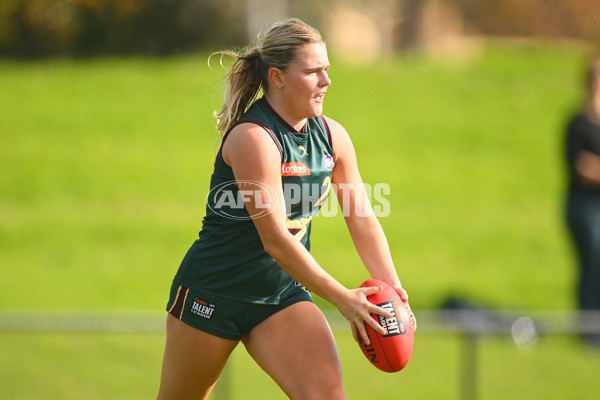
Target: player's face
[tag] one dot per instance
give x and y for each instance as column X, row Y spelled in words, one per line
column 306, row 81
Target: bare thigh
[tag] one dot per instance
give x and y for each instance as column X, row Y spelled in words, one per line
column 192, row 362
column 296, row 348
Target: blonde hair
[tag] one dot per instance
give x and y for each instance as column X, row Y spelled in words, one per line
column 248, row 74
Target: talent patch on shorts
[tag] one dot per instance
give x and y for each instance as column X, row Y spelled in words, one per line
column 203, row 308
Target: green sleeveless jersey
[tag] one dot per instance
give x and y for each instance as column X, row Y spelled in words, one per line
column 228, row 259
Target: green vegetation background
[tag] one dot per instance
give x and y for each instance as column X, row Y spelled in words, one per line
column 105, row 169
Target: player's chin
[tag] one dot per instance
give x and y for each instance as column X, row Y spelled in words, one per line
column 316, row 109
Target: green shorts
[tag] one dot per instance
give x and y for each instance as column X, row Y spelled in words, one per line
column 225, row 317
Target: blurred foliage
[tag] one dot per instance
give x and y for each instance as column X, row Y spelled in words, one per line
column 578, row 19
column 37, row 28
column 33, row 28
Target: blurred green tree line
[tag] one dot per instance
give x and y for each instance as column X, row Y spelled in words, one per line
column 37, row 28
column 576, row 19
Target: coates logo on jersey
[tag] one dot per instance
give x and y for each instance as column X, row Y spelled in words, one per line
column 328, row 162
column 294, row 169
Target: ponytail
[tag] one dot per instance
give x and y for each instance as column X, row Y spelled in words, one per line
column 244, row 81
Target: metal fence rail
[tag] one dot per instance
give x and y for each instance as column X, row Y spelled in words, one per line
column 525, row 328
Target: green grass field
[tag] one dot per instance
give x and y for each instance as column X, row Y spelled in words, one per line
column 106, row 165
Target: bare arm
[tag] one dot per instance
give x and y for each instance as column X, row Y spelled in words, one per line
column 253, row 156
column 366, row 232
column 587, row 166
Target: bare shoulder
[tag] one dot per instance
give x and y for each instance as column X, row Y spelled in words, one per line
column 340, row 138
column 248, row 139
column 335, row 127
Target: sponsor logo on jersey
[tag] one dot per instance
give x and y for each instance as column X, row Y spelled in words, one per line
column 303, row 149
column 328, row 161
column 203, row 308
column 393, row 326
column 294, row 169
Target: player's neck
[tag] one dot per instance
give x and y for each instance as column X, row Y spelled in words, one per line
column 295, row 123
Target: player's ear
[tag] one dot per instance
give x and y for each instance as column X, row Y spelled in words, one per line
column 276, row 77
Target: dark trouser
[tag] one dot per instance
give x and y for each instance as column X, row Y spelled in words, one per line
column 583, row 218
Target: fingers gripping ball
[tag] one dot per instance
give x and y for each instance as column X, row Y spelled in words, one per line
column 390, row 352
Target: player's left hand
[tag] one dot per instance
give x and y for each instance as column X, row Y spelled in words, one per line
column 404, row 297
column 402, row 293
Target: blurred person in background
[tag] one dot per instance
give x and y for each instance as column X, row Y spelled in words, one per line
column 239, row 282
column 583, row 195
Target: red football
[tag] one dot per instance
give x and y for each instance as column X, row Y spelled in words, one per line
column 389, row 352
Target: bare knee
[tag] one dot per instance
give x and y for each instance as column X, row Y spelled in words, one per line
column 322, row 382
column 332, row 389
column 326, row 387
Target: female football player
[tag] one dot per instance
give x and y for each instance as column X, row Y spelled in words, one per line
column 248, row 276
